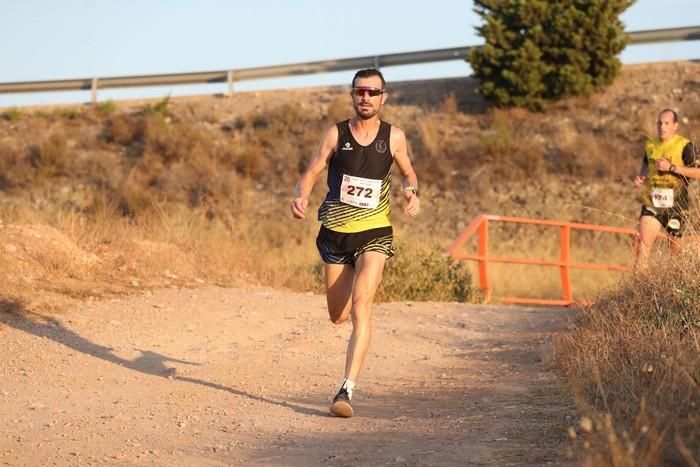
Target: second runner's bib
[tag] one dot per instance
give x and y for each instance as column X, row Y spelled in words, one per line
column 662, row 197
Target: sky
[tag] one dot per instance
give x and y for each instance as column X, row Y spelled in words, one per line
column 68, row 39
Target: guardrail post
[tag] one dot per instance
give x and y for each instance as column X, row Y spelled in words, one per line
column 565, row 258
column 229, row 83
column 482, row 251
column 93, row 90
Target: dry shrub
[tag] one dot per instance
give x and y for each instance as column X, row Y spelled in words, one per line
column 51, row 157
column 633, row 362
column 124, row 129
column 431, row 141
column 497, row 141
column 171, row 141
column 511, row 149
column 250, row 160
column 449, row 107
column 581, row 153
column 15, row 169
column 142, row 185
column 339, row 109
column 283, row 118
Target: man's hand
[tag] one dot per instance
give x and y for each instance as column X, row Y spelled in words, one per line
column 299, row 206
column 639, row 181
column 664, row 165
column 413, row 207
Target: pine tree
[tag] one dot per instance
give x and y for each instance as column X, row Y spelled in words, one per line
column 539, row 50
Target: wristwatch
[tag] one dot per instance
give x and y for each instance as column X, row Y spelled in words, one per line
column 672, row 168
column 412, row 190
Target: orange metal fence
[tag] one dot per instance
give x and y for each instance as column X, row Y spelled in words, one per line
column 480, row 226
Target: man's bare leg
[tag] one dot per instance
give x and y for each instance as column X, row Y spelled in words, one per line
column 676, row 245
column 368, row 275
column 649, row 228
column 339, row 282
column 370, row 266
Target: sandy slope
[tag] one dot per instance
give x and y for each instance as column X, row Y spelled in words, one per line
column 244, row 376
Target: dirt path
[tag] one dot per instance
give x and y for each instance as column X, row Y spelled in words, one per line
column 233, row 376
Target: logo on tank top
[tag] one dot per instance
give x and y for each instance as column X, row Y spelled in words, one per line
column 380, row 146
column 347, row 147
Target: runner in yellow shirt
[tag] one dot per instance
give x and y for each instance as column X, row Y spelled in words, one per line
column 667, row 165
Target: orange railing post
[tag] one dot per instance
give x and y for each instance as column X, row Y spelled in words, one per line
column 482, row 252
column 479, row 226
column 565, row 257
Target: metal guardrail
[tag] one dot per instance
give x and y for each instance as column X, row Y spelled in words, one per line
column 324, row 66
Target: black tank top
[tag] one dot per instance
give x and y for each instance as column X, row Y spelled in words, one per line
column 364, row 172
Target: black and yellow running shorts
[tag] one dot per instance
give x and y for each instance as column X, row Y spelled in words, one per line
column 344, row 248
column 671, row 219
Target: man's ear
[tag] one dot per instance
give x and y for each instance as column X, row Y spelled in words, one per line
column 385, row 96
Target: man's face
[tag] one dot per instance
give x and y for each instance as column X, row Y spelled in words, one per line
column 367, row 96
column 665, row 126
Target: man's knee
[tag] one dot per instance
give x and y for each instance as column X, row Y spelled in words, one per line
column 338, row 313
column 339, row 319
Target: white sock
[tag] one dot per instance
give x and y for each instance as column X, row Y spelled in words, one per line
column 349, row 386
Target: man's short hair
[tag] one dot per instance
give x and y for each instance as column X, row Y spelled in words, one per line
column 368, row 73
column 675, row 115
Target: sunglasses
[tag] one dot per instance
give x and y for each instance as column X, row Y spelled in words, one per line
column 373, row 92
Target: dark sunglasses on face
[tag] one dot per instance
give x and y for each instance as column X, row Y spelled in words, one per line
column 373, row 92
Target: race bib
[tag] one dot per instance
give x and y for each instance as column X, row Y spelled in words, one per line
column 360, row 192
column 662, row 197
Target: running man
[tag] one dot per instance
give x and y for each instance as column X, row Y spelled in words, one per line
column 355, row 238
column 666, row 167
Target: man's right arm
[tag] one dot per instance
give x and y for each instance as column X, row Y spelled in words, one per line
column 316, row 166
column 643, row 171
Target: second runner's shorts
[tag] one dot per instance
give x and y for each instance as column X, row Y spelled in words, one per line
column 672, row 220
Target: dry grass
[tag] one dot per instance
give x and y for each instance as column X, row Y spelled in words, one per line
column 224, row 170
column 633, row 363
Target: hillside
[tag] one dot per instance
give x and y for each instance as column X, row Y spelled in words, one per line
column 459, row 146
column 196, row 190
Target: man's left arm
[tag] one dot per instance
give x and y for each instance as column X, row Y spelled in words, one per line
column 409, row 184
column 690, row 155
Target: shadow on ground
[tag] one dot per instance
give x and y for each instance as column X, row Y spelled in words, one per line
column 14, row 314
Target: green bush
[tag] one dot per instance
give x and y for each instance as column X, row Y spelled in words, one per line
column 162, row 107
column 421, row 273
column 12, row 115
column 539, row 50
column 69, row 113
column 106, row 108
column 418, row 273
